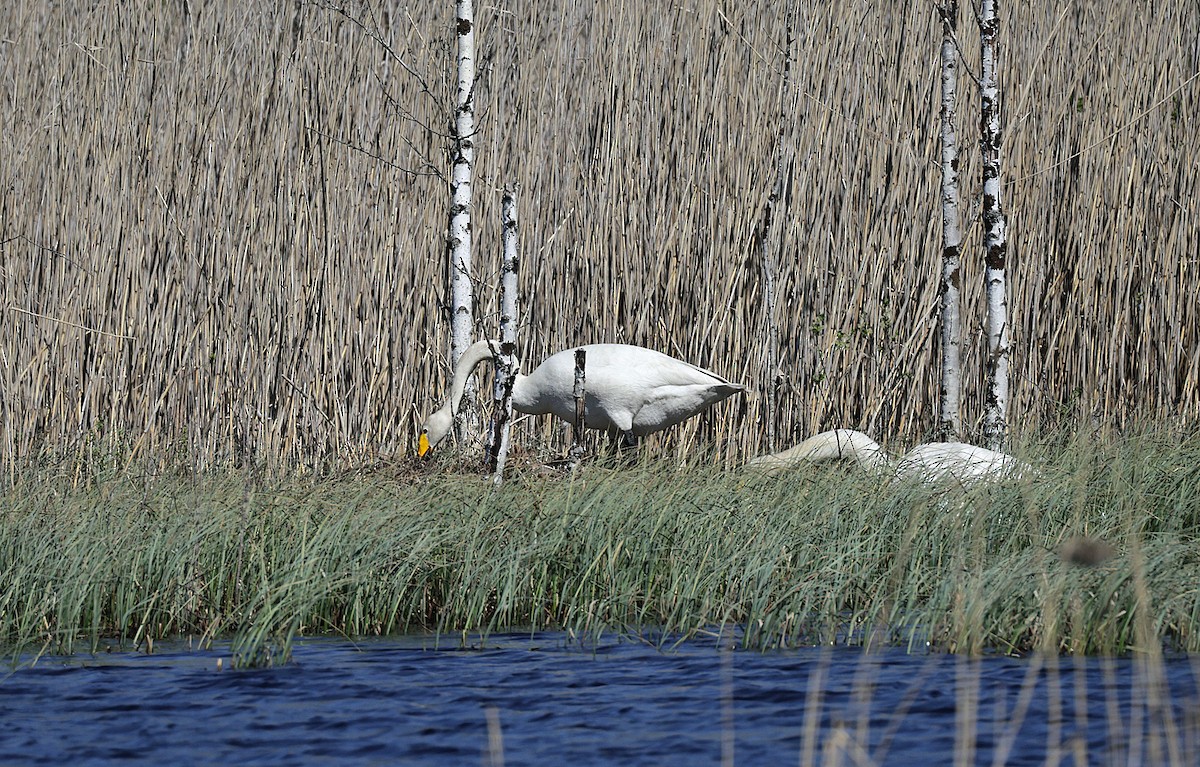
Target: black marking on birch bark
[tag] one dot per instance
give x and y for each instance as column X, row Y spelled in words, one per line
column 951, row 253
column 995, row 258
column 464, row 27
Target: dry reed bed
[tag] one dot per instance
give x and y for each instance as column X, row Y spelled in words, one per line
column 221, row 234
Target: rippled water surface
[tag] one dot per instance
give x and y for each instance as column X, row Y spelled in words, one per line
column 621, row 702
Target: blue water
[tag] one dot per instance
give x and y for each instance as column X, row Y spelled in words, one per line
column 618, row 702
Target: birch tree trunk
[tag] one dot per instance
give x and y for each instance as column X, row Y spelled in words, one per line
column 462, row 303
column 506, row 367
column 770, row 242
column 995, row 237
column 767, row 246
column 577, row 449
column 949, row 426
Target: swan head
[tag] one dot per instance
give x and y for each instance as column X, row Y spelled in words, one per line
column 436, row 427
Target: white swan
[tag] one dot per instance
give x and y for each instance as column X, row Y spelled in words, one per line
column 628, row 389
column 929, row 462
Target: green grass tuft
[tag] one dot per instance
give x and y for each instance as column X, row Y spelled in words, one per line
column 814, row 556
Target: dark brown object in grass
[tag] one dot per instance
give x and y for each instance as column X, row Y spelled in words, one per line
column 1085, row 552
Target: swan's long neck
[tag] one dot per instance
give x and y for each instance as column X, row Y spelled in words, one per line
column 835, row 445
column 829, row 445
column 845, row 443
column 476, row 353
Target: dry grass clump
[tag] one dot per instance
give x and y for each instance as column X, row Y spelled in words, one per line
column 221, row 225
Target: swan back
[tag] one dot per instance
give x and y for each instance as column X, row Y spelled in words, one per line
column 958, row 460
column 835, row 445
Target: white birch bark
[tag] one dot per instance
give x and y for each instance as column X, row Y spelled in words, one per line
column 949, row 426
column 995, row 237
column 768, row 244
column 506, row 366
column 462, row 303
column 769, row 240
column 577, row 449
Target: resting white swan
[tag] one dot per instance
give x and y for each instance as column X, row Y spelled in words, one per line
column 628, row 389
column 930, row 462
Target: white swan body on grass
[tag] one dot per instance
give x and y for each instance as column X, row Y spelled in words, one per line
column 960, row 461
column 930, row 462
column 628, row 390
